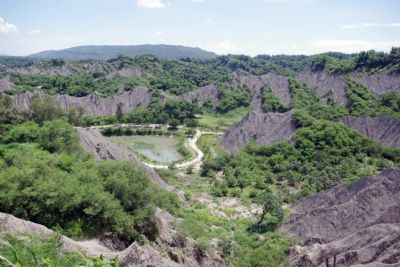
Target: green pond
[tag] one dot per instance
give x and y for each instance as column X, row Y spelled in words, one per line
column 162, row 149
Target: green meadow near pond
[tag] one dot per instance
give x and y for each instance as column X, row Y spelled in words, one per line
column 161, row 149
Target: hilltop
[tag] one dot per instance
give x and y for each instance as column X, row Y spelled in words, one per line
column 104, row 52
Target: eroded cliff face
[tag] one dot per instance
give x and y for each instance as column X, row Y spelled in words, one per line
column 383, row 129
column 323, row 83
column 254, row 84
column 89, row 67
column 357, row 223
column 92, row 105
column 203, row 94
column 264, row 128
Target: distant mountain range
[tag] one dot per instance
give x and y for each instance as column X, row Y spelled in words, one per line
column 104, row 52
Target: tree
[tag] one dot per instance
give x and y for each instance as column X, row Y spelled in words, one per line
column 8, row 114
column 173, row 123
column 270, row 205
column 271, row 103
column 58, row 136
column 75, row 116
column 191, row 123
column 119, row 113
column 45, row 110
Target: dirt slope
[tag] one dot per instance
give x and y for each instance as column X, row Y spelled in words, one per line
column 383, row 129
column 93, row 105
column 359, row 223
column 264, row 128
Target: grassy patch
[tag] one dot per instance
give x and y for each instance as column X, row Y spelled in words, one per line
column 210, row 145
column 234, row 239
column 222, row 122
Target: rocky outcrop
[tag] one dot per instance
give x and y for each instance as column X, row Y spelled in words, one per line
column 383, row 129
column 94, row 142
column 203, row 94
column 264, row 128
column 93, row 105
column 351, row 224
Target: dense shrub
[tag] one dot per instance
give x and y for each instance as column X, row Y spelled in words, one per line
column 64, row 189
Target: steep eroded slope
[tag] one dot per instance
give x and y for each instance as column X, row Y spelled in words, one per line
column 357, row 223
column 264, row 128
column 383, row 129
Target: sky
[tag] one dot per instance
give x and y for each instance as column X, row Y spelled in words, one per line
column 248, row 27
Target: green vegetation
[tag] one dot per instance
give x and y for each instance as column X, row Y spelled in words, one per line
column 238, row 242
column 370, row 61
column 39, row 251
column 231, row 99
column 325, row 155
column 183, row 75
column 271, row 103
column 174, row 76
column 46, row 178
column 173, row 110
column 76, row 85
column 362, row 102
column 301, row 95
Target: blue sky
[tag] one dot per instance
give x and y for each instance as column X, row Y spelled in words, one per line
column 224, row 26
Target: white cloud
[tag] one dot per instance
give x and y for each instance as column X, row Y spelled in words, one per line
column 34, row 31
column 198, row 1
column 352, row 46
column 6, row 27
column 224, row 47
column 151, row 3
column 158, row 33
column 208, row 21
column 372, row 24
